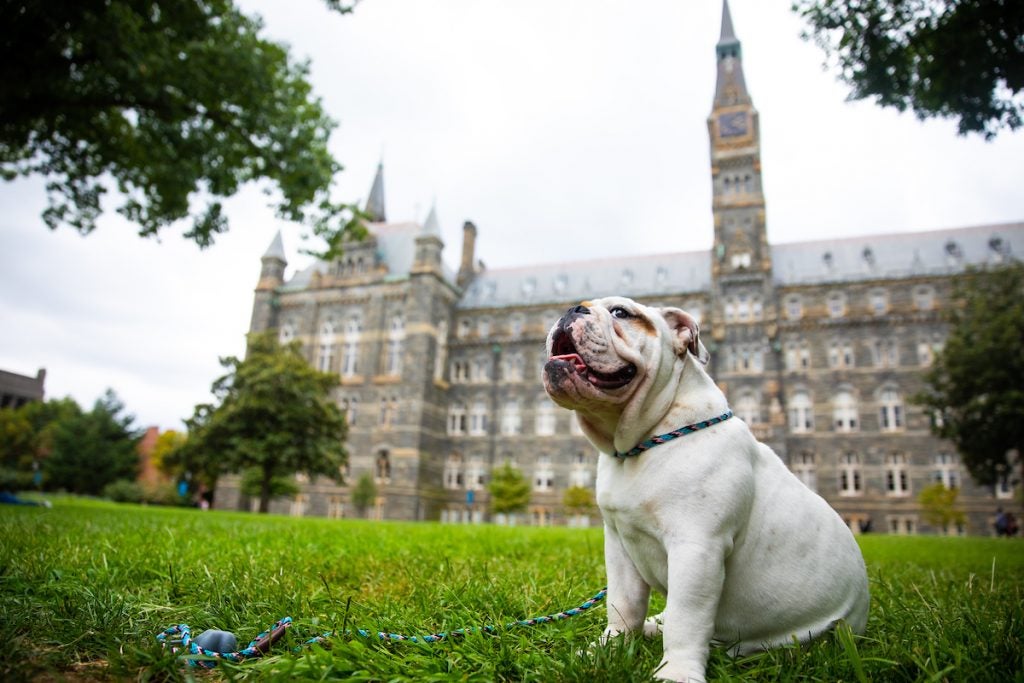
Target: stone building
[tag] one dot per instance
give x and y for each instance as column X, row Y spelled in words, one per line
column 817, row 344
column 17, row 390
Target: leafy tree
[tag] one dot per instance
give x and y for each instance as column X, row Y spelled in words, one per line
column 938, row 506
column 960, row 59
column 176, row 103
column 974, row 385
column 165, row 451
column 26, row 433
column 93, row 449
column 510, row 492
column 364, row 493
column 274, row 412
column 578, row 500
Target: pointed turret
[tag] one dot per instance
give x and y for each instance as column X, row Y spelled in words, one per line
column 431, row 228
column 375, row 204
column 429, row 245
column 273, row 264
column 731, row 87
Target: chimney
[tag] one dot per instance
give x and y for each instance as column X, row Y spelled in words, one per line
column 466, row 269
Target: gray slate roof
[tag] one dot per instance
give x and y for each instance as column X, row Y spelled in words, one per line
column 900, row 255
column 634, row 276
column 396, row 249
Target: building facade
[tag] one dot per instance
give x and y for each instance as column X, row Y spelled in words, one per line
column 818, row 346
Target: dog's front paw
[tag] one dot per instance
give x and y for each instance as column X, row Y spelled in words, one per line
column 652, row 625
column 688, row 672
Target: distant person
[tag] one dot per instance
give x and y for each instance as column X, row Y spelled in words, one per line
column 1001, row 522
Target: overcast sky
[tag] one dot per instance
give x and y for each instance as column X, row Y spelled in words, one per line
column 564, row 129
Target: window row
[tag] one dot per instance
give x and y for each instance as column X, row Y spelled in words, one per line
column 472, row 474
column 877, row 302
column 474, row 420
column 846, row 411
column 346, row 345
column 387, row 413
column 880, row 352
column 893, row 474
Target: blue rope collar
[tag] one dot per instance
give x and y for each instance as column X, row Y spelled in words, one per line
column 674, row 434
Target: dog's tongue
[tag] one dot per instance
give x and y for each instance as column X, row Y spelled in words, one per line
column 573, row 358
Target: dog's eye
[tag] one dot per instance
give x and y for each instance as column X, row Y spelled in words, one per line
column 621, row 313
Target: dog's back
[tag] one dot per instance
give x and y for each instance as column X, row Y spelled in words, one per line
column 795, row 570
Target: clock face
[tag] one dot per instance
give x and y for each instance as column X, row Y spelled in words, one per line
column 732, row 124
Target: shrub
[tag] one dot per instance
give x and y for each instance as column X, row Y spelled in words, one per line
column 123, row 491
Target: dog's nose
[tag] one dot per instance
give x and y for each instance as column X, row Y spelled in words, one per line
column 579, row 310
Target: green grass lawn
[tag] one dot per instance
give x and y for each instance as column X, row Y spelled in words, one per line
column 85, row 586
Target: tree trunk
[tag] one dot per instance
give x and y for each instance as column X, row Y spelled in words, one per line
column 265, row 493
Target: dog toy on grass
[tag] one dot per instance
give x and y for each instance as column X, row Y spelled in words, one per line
column 214, row 645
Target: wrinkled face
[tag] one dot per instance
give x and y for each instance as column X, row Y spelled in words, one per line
column 600, row 351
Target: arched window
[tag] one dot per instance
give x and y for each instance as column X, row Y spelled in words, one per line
column 544, row 423
column 453, row 471
column 476, row 474
column 478, row 418
column 805, row 469
column 544, row 474
column 845, row 416
column 382, row 467
column 850, row 483
column 325, row 355
column 801, row 413
column 350, row 347
column 512, row 366
column 890, row 410
column 511, row 418
column 286, row 333
column 836, row 305
column 924, row 298
column 748, row 408
column 947, row 470
column 897, row 477
column 457, row 419
column 350, row 407
column 393, row 354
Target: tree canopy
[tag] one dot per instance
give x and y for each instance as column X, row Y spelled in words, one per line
column 274, row 413
column 974, row 385
column 90, row 450
column 959, row 59
column 175, row 104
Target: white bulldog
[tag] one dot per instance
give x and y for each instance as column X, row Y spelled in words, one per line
column 747, row 556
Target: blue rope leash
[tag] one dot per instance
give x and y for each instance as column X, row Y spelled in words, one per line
column 674, row 434
column 180, row 636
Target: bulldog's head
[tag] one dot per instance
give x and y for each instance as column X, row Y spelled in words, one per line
column 618, row 364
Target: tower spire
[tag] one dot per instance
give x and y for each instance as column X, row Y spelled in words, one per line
column 731, row 88
column 375, row 204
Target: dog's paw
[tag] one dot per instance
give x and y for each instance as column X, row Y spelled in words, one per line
column 652, row 625
column 688, row 672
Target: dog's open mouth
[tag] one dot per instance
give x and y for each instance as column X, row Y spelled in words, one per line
column 563, row 349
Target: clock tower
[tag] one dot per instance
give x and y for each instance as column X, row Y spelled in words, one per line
column 744, row 315
column 741, row 244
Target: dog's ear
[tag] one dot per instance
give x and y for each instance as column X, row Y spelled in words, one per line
column 687, row 333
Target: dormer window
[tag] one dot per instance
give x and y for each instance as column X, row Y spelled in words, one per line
column 1000, row 248
column 529, row 286
column 627, row 278
column 954, row 253
column 561, row 283
column 828, row 260
column 869, row 257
